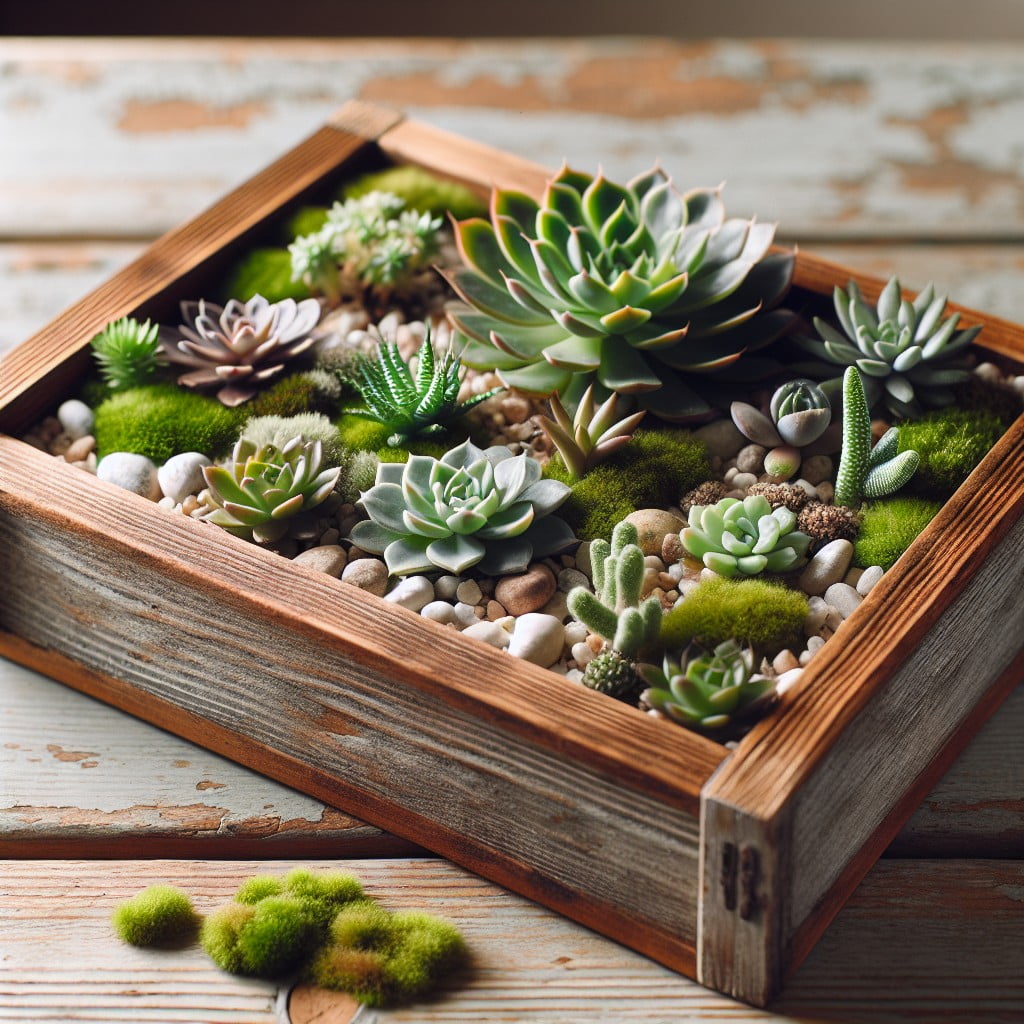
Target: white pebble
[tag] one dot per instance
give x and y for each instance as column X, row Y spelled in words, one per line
column 806, row 486
column 582, row 654
column 538, row 638
column 168, row 503
column 676, row 570
column 489, row 632
column 868, row 579
column 182, row 475
column 465, row 614
column 468, row 592
column 414, row 593
column 132, row 472
column 784, row 661
column 817, row 612
column 787, row 679
column 575, row 633
column 438, row 611
column 828, row 566
column 743, row 481
column 843, row 598
column 76, row 418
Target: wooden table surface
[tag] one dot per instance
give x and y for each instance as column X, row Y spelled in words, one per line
column 889, row 157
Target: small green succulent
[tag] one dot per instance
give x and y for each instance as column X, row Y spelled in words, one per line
column 866, row 472
column 744, row 538
column 127, row 353
column 910, row 356
column 262, row 487
column 487, row 509
column 590, row 435
column 634, row 288
column 713, row 690
column 799, row 413
column 372, row 242
column 408, row 405
column 615, row 610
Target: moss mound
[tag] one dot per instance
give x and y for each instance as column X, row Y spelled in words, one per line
column 306, row 221
column 889, row 527
column 161, row 420
column 266, row 272
column 363, row 435
column 158, row 916
column 385, row 959
column 950, row 442
column 653, row 470
column 767, row 616
column 310, row 391
column 420, row 190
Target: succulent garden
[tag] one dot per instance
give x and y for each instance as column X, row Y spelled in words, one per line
column 599, row 430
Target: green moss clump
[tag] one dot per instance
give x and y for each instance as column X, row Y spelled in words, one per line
column 257, row 888
column 364, row 435
column 889, row 527
column 306, row 221
column 950, row 442
column 420, row 190
column 310, row 391
column 766, row 616
column 161, row 420
column 325, row 894
column 158, row 916
column 385, row 959
column 94, row 391
column 266, row 939
column 997, row 399
column 266, row 272
column 653, row 470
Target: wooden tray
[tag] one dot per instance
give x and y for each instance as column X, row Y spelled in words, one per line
column 726, row 865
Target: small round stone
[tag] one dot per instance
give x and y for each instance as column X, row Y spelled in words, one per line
column 76, row 418
column 80, row 449
column 787, row 679
column 721, row 438
column 784, row 661
column 527, row 591
column 843, row 598
column 446, row 586
column 672, row 549
column 575, row 633
column 817, row 469
column 817, row 613
column 828, row 566
column 868, row 579
column 558, row 606
column 132, row 472
column 327, row 558
column 489, row 632
column 582, row 654
column 465, row 614
column 653, row 525
column 369, row 574
column 469, row 592
column 182, row 475
column 439, row 611
column 826, row 491
column 569, row 578
column 515, row 408
column 414, row 593
column 494, row 611
column 741, row 481
column 538, row 639
column 750, row 459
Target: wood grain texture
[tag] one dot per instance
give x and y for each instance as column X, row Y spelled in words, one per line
column 832, row 140
column 950, row 934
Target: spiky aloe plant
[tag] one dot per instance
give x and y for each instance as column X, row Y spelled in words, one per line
column 469, row 508
column 261, row 488
column 910, row 356
column 127, row 353
column 634, row 288
column 615, row 610
column 866, row 472
column 745, row 538
column 711, row 692
column 409, row 405
column 591, row 434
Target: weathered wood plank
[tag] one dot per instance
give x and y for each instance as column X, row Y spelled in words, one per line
column 830, row 139
column 950, row 933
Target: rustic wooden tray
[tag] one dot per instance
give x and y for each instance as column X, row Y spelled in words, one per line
column 726, row 865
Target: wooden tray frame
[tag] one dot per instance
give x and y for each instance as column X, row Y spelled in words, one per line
column 724, row 865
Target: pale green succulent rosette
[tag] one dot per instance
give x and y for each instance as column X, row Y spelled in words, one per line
column 484, row 508
column 262, row 488
column 909, row 356
column 638, row 289
column 745, row 538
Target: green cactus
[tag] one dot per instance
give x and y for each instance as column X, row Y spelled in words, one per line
column 715, row 688
column 614, row 611
column 866, row 472
column 127, row 353
column 744, row 538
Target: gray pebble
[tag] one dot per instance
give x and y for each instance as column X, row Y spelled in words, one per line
column 369, row 574
column 743, row 481
column 446, row 586
column 538, row 638
column 569, row 578
column 721, row 437
column 327, row 558
column 182, row 475
column 414, row 593
column 843, row 598
column 828, row 566
column 868, row 578
column 750, row 459
column 76, row 418
column 469, row 592
column 558, row 606
column 132, row 472
column 583, row 559
column 817, row 612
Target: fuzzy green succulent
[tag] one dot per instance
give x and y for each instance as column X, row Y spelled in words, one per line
column 262, row 487
column 372, row 242
column 615, row 610
column 910, row 356
column 866, row 472
column 634, row 288
column 127, row 353
column 472, row 507
column 408, row 404
column 744, row 538
column 591, row 434
column 712, row 691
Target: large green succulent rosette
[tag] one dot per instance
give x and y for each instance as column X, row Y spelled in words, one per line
column 636, row 288
column 484, row 508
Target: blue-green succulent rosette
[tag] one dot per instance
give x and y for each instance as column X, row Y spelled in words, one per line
column 485, row 509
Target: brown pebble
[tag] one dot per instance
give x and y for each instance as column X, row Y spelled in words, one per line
column 495, row 611
column 528, row 591
column 79, row 450
column 665, row 581
column 672, row 549
column 190, row 504
column 595, row 643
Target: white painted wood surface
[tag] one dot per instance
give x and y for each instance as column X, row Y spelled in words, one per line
column 862, row 152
